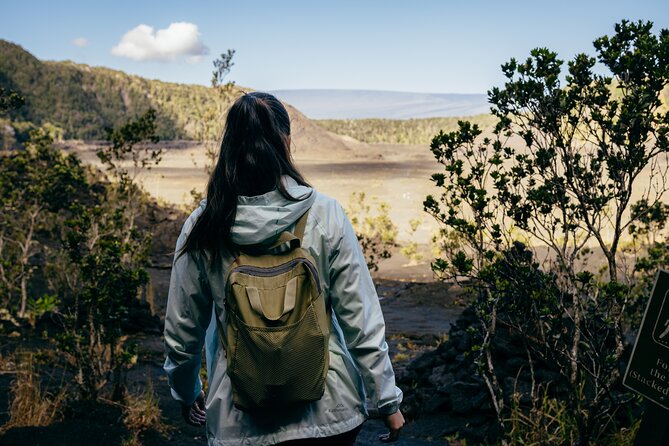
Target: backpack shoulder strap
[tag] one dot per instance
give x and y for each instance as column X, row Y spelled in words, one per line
column 300, row 226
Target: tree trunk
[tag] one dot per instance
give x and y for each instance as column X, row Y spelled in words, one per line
column 613, row 269
column 24, row 295
column 25, row 259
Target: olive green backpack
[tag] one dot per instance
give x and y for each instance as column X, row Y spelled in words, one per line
column 278, row 326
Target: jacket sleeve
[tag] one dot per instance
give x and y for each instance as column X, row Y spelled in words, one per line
column 189, row 307
column 356, row 306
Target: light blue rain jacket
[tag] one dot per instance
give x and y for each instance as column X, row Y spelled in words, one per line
column 360, row 368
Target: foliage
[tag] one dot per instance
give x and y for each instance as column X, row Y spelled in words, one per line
column 212, row 119
column 398, row 131
column 625, row 436
column 376, row 232
column 72, row 238
column 557, row 178
column 102, row 280
column 10, row 100
column 123, row 141
column 36, row 185
column 105, row 254
column 45, row 304
column 130, row 143
column 222, row 67
column 410, row 248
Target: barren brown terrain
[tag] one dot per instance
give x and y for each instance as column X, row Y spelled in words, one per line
column 335, row 165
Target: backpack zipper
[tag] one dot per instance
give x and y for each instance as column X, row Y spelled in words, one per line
column 274, row 270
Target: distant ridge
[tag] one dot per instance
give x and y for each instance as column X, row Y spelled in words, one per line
column 81, row 101
column 357, row 104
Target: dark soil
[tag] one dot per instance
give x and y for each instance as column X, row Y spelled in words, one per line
column 99, row 425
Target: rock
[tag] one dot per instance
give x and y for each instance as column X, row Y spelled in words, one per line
column 476, row 434
column 478, row 419
column 438, row 375
column 511, row 385
column 451, row 425
column 462, row 397
column 478, row 400
column 515, row 363
column 543, row 375
column 436, row 403
column 448, row 381
column 429, row 339
column 140, row 319
column 410, row 407
column 423, row 362
column 448, row 355
column 465, row 343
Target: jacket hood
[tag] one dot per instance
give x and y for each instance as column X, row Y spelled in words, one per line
column 261, row 218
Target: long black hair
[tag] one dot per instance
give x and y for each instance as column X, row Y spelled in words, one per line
column 254, row 155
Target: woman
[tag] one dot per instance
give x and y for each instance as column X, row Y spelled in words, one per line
column 255, row 193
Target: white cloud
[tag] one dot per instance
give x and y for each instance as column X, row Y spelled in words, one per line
column 178, row 39
column 80, row 42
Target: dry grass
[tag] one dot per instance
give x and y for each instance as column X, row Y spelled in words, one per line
column 142, row 413
column 132, row 440
column 7, row 364
column 624, row 436
column 30, row 405
column 548, row 421
column 400, row 357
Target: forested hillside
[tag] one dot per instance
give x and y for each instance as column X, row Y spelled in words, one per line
column 75, row 101
column 399, row 131
column 80, row 101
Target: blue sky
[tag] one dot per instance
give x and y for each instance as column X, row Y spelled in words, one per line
column 425, row 45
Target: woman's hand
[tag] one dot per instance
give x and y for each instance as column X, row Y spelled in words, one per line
column 195, row 414
column 394, row 422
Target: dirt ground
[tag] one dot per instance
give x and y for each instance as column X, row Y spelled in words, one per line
column 392, row 173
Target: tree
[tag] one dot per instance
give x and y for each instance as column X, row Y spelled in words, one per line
column 211, row 119
column 222, row 67
column 105, row 254
column 80, row 233
column 102, row 279
column 134, row 142
column 36, row 184
column 225, row 91
column 10, row 100
column 559, row 173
